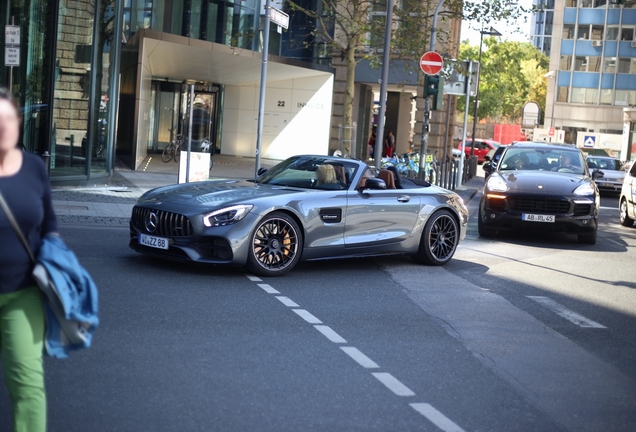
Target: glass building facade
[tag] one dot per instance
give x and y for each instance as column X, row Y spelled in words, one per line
column 592, row 64
column 72, row 53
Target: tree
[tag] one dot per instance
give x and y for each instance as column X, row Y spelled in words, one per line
column 512, row 74
column 353, row 29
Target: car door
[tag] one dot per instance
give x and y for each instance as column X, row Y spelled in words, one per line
column 377, row 217
column 629, row 190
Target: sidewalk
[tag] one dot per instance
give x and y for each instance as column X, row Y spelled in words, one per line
column 111, row 204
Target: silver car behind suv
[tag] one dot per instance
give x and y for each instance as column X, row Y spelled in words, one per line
column 627, row 201
column 613, row 172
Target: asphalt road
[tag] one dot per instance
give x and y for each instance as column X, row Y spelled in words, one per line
column 492, row 341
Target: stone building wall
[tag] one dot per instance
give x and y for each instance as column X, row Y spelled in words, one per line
column 75, row 32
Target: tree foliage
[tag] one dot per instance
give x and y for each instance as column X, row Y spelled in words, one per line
column 354, row 29
column 512, row 74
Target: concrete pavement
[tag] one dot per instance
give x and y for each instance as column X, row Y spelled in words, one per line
column 111, row 204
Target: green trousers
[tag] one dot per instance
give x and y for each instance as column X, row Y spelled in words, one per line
column 21, row 343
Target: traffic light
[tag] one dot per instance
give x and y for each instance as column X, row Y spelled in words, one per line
column 434, row 86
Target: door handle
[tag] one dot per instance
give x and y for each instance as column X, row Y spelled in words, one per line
column 404, row 198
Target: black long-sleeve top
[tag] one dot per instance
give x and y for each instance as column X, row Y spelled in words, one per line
column 28, row 194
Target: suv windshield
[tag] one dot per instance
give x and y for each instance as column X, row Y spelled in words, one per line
column 311, row 172
column 538, row 159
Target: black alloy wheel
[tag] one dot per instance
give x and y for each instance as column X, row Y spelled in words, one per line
column 275, row 245
column 439, row 239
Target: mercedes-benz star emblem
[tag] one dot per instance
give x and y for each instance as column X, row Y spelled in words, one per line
column 151, row 222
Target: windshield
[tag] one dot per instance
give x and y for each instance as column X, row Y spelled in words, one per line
column 538, row 159
column 604, row 163
column 311, row 172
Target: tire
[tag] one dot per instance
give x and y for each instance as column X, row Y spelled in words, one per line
column 485, row 231
column 167, row 153
column 439, row 239
column 177, row 153
column 211, row 162
column 432, row 176
column 589, row 238
column 624, row 214
column 276, row 245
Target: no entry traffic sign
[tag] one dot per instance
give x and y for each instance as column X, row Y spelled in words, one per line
column 431, row 63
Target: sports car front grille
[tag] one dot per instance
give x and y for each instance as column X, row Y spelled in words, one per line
column 167, row 224
column 539, row 205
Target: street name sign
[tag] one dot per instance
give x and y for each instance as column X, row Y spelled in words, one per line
column 12, row 35
column 431, row 63
column 279, row 17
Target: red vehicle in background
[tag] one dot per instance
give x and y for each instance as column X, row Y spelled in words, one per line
column 482, row 147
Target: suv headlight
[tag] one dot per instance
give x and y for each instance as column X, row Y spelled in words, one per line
column 585, row 189
column 496, row 184
column 227, row 215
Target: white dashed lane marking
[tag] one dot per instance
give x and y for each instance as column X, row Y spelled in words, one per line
column 436, row 417
column 360, row 358
column 287, row 301
column 566, row 313
column 390, row 382
column 330, row 334
column 307, row 316
column 393, row 384
column 268, row 289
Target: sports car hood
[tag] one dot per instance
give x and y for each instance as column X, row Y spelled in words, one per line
column 542, row 182
column 212, row 194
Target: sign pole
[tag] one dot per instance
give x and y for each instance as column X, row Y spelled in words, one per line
column 189, row 148
column 261, row 95
column 462, row 156
column 386, row 59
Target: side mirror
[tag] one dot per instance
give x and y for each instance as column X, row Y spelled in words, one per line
column 487, row 167
column 487, row 158
column 597, row 174
column 261, row 171
column 374, row 183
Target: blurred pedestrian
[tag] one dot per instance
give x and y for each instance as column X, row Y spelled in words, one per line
column 25, row 186
column 372, row 144
column 389, row 144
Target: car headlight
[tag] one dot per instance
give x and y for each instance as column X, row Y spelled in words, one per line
column 496, row 184
column 227, row 215
column 585, row 189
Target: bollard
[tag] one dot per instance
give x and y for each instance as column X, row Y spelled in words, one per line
column 46, row 157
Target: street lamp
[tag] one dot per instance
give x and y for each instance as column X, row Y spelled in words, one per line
column 491, row 32
column 552, row 74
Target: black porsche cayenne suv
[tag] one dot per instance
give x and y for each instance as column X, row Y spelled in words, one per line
column 538, row 186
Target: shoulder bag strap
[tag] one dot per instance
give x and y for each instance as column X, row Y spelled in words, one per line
column 15, row 226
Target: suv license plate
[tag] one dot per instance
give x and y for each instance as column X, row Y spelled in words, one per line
column 537, row 218
column 154, row 242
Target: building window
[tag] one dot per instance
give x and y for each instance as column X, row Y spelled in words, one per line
column 625, row 97
column 609, row 65
column 584, row 32
column 600, row 3
column 597, row 32
column 562, row 94
column 568, row 31
column 566, row 63
column 627, row 65
column 611, row 33
column 594, row 64
column 627, row 34
column 586, row 3
column 570, row 3
column 584, row 95
column 547, row 44
column 549, row 19
column 607, row 96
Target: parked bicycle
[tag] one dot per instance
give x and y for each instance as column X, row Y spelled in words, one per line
column 173, row 149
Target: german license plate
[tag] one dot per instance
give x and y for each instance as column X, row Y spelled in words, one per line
column 537, row 217
column 154, row 242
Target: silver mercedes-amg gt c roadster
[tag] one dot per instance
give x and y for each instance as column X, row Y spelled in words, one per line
column 304, row 208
